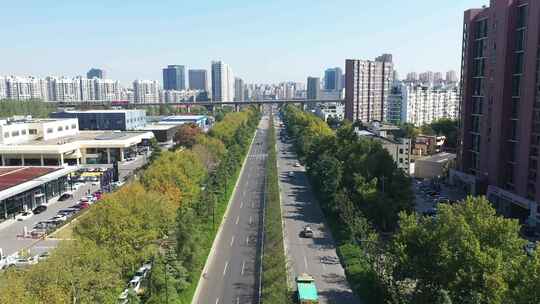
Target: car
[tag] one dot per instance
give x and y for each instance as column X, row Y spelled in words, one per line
column 530, row 248
column 143, row 270
column 59, row 218
column 23, row 216
column 43, row 256
column 307, row 232
column 84, row 205
column 135, row 284
column 84, row 200
column 297, row 165
column 123, row 297
column 19, row 261
column 291, row 174
column 65, row 197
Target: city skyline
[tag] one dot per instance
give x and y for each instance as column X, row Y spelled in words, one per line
column 140, row 55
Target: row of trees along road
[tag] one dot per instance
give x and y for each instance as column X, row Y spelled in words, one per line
column 167, row 216
column 467, row 254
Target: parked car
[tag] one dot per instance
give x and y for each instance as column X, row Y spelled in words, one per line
column 39, row 209
column 291, row 174
column 23, row 216
column 84, row 205
column 21, row 261
column 297, row 165
column 135, row 284
column 143, row 270
column 307, row 232
column 123, row 297
column 59, row 218
column 43, row 256
column 64, row 197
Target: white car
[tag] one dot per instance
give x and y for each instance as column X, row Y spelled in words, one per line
column 135, row 284
column 23, row 216
column 21, row 261
column 297, row 165
column 123, row 297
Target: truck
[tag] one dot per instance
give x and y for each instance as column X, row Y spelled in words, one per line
column 307, row 291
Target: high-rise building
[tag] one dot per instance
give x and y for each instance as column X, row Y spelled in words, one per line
column 145, row 91
column 412, row 77
column 332, row 79
column 500, row 109
column 313, row 88
column 367, row 87
column 222, row 82
column 422, row 104
column 438, row 77
column 174, row 78
column 96, row 73
column 198, row 79
column 239, row 89
column 427, row 77
column 451, row 77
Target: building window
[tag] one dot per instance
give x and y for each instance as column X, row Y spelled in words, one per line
column 515, row 108
column 23, row 132
column 516, row 86
column 512, row 151
column 520, row 40
column 514, row 130
column 14, row 133
column 74, row 126
column 518, row 67
column 60, row 128
column 6, row 134
column 476, row 143
column 49, row 130
column 32, row 131
column 522, row 16
column 476, row 124
column 66, row 128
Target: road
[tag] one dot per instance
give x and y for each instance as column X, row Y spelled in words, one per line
column 315, row 256
column 232, row 274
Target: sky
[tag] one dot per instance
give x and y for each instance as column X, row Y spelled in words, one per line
column 263, row 41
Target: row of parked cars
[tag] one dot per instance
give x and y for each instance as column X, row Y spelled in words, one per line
column 44, row 227
column 17, row 260
column 135, row 285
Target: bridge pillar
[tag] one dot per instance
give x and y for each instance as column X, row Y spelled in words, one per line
column 260, row 106
column 188, row 108
column 303, row 106
column 236, row 107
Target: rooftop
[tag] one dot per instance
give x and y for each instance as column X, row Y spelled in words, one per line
column 100, row 111
column 85, row 136
column 438, row 158
column 184, row 117
column 156, row 127
column 12, row 176
column 15, row 180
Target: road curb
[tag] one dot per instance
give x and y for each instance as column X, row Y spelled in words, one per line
column 210, row 257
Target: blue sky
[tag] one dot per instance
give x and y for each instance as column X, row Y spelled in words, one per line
column 263, row 41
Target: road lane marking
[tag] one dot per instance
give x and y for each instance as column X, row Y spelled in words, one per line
column 305, row 262
column 237, row 220
column 237, row 300
column 243, row 266
column 232, row 240
column 217, row 300
column 242, row 204
column 247, row 240
column 225, row 269
column 252, row 204
column 250, row 220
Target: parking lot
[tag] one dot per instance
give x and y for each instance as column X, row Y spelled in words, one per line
column 26, row 233
column 429, row 195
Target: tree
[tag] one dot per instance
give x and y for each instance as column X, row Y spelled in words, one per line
column 467, row 250
column 186, row 136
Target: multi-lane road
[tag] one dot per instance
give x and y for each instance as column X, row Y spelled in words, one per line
column 232, row 270
column 315, row 256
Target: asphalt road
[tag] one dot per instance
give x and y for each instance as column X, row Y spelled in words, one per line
column 232, row 274
column 315, row 256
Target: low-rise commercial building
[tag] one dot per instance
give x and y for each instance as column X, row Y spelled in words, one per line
column 201, row 120
column 58, row 142
column 434, row 166
column 25, row 188
column 123, row 120
column 425, row 145
column 399, row 149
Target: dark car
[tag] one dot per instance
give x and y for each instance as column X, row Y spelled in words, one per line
column 39, row 209
column 65, row 197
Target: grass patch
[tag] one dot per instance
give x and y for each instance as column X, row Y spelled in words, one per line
column 274, row 279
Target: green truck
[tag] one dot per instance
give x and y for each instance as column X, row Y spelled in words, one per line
column 307, row 291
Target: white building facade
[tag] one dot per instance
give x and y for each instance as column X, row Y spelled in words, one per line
column 222, row 82
column 421, row 105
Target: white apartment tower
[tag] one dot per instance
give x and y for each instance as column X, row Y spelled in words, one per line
column 222, row 82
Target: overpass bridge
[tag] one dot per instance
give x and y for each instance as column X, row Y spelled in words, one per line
column 188, row 104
